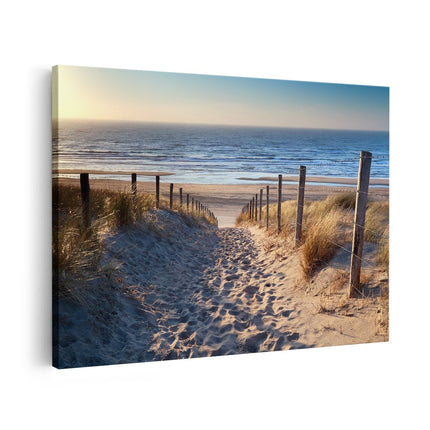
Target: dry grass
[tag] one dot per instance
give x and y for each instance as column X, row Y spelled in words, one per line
column 334, row 305
column 242, row 218
column 319, row 244
column 377, row 218
column 325, row 222
column 338, row 282
column 377, row 230
column 327, row 226
column 342, row 201
column 383, row 256
column 77, row 250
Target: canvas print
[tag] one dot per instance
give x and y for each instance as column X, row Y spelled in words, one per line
column 198, row 216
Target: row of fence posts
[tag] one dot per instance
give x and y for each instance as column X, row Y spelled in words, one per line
column 359, row 216
column 255, row 205
column 196, row 205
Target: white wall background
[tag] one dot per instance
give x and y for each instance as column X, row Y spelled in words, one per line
column 356, row 387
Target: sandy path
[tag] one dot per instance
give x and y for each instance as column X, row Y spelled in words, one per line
column 195, row 291
column 227, row 306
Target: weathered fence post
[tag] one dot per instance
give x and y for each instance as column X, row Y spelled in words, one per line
column 157, row 192
column 261, row 203
column 256, row 208
column 252, row 208
column 133, row 184
column 180, row 197
column 279, row 201
column 85, row 196
column 188, row 202
column 192, row 204
column 267, row 206
column 134, row 190
column 300, row 203
column 359, row 220
column 171, row 197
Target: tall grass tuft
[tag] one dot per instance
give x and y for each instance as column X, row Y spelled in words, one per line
column 377, row 218
column 319, row 243
column 77, row 250
column 122, row 208
column 336, row 212
column 341, row 200
column 383, row 255
column 242, row 218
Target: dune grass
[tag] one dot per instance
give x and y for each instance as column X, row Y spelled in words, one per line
column 77, row 250
column 327, row 224
column 319, row 242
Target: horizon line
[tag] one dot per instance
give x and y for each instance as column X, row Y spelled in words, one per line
column 216, row 124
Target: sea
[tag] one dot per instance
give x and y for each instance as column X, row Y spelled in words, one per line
column 216, row 154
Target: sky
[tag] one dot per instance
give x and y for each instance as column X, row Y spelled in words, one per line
column 130, row 95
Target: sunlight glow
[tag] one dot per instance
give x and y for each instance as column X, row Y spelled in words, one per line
column 114, row 94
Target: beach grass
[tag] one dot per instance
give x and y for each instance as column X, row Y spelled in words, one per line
column 77, row 249
column 327, row 226
column 319, row 242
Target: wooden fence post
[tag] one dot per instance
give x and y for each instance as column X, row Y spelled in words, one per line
column 157, row 192
column 171, row 197
column 188, row 202
column 192, row 204
column 279, row 201
column 267, row 206
column 85, row 196
column 256, row 208
column 261, row 203
column 359, row 220
column 300, row 203
column 133, row 184
column 252, row 208
column 180, row 197
column 134, row 190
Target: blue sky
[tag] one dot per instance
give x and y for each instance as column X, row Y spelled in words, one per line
column 115, row 94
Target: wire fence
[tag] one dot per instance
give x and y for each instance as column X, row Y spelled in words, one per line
column 191, row 206
column 359, row 231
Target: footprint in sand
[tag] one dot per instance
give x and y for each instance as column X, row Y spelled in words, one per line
column 241, row 325
column 226, row 328
column 293, row 336
column 251, row 290
column 252, row 344
column 286, row 313
column 228, row 285
column 232, row 277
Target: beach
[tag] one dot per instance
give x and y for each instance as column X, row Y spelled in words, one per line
column 227, row 200
column 175, row 287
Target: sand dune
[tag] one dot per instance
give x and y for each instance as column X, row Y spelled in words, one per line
column 183, row 290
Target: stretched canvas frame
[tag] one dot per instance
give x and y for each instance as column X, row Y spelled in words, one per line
column 196, row 216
